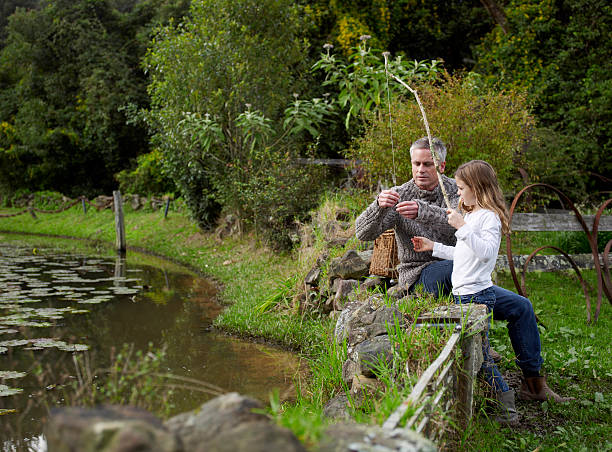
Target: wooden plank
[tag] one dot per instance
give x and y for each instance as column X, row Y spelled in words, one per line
column 444, row 373
column 419, row 388
column 438, row 397
column 556, row 222
column 429, row 373
column 343, row 163
column 415, row 416
column 422, row 425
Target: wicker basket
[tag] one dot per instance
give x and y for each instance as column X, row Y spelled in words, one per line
column 384, row 257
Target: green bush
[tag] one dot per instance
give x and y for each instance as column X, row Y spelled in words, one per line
column 574, row 242
column 148, row 178
column 273, row 193
column 362, row 83
column 474, row 123
column 548, row 155
column 135, row 377
column 44, row 200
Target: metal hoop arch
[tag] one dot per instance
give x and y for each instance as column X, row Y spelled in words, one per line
column 604, row 283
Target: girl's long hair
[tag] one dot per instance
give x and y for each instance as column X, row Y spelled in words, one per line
column 480, row 177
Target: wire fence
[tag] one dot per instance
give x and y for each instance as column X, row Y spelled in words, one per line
column 100, row 205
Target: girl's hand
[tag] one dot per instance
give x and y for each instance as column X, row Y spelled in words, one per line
column 422, row 244
column 454, row 218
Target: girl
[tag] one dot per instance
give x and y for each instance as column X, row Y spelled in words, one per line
column 478, row 239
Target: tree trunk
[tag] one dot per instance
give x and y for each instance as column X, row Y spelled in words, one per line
column 496, row 11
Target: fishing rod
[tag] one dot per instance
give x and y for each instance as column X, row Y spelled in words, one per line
column 434, row 155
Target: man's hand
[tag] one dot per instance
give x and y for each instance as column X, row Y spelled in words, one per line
column 388, row 198
column 422, row 244
column 408, row 209
column 454, row 218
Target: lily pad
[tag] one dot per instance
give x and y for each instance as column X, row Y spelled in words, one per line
column 8, row 331
column 90, row 268
column 74, row 347
column 6, row 374
column 92, row 301
column 23, row 300
column 124, row 291
column 60, row 271
column 22, row 322
column 14, row 343
column 6, row 391
column 38, row 284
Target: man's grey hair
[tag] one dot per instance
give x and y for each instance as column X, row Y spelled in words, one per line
column 438, row 147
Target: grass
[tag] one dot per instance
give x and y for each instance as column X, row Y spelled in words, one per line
column 577, row 356
column 577, row 362
column 572, row 242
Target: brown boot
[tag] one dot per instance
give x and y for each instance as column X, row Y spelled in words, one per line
column 507, row 410
column 496, row 357
column 535, row 388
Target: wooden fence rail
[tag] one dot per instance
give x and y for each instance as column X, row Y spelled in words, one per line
column 432, row 395
column 446, row 388
column 557, row 222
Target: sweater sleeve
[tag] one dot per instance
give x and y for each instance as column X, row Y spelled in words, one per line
column 374, row 221
column 483, row 239
column 443, row 251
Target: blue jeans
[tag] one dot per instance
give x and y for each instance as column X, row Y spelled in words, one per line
column 436, row 278
column 509, row 306
column 491, row 373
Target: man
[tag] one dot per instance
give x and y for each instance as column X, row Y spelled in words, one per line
column 416, row 208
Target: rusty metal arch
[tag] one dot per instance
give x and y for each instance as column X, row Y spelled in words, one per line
column 604, row 284
column 583, row 283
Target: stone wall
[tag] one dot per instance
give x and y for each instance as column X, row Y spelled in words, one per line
column 228, row 423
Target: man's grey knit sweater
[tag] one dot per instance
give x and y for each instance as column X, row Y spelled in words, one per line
column 430, row 222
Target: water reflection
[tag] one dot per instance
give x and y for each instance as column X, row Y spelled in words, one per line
column 52, row 298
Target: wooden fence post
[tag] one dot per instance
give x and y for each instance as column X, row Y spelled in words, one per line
column 119, row 223
column 166, row 209
column 84, row 205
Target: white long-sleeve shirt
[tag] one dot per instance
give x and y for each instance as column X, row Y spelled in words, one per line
column 475, row 253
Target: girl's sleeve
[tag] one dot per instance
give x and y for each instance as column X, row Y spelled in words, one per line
column 443, row 251
column 483, row 239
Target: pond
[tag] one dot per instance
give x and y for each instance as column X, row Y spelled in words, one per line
column 63, row 308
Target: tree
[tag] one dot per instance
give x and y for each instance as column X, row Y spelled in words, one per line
column 417, row 29
column 7, row 8
column 559, row 52
column 65, row 72
column 496, row 11
column 220, row 84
